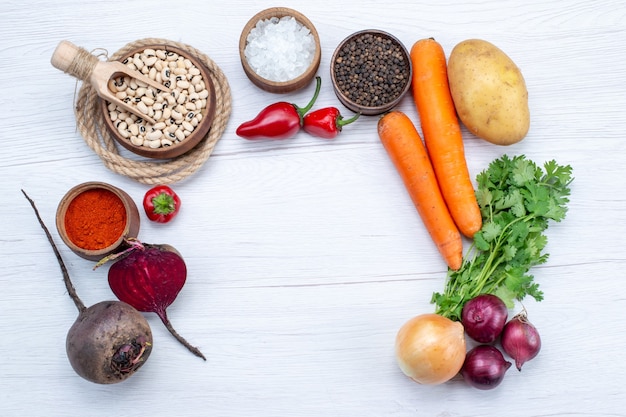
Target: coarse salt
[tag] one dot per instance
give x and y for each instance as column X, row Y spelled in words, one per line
column 279, row 49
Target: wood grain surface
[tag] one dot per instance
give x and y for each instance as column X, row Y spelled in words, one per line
column 305, row 256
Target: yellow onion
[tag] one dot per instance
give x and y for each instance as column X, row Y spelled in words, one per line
column 430, row 349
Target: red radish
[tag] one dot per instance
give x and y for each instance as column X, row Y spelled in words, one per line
column 149, row 277
column 110, row 340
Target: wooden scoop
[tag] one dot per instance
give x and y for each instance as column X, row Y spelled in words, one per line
column 81, row 64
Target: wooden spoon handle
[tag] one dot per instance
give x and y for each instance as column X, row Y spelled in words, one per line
column 73, row 60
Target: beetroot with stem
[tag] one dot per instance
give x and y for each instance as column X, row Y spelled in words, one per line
column 149, row 278
column 110, row 340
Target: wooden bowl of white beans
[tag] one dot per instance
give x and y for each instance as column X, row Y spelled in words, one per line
column 280, row 50
column 183, row 116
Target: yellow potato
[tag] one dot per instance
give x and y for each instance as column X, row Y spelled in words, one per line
column 489, row 92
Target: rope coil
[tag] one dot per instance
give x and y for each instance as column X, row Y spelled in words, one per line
column 91, row 124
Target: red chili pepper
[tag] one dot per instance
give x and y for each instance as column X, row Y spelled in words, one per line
column 161, row 204
column 280, row 120
column 326, row 123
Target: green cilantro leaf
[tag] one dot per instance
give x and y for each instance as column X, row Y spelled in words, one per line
column 517, row 199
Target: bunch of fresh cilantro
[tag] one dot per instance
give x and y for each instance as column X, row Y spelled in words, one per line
column 517, row 199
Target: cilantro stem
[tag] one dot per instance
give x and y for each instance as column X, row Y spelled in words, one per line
column 518, row 199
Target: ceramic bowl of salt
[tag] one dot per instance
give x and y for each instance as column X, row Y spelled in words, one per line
column 280, row 50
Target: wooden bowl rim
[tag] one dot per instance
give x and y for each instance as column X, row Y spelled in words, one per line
column 366, row 110
column 208, row 113
column 280, row 86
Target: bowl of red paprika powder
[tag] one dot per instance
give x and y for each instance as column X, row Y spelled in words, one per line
column 94, row 218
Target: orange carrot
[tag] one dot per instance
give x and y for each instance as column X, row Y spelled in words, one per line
column 407, row 152
column 442, row 134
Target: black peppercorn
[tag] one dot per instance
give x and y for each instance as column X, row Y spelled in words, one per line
column 371, row 70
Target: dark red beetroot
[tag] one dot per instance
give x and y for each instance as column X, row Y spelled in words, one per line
column 110, row 340
column 149, row 278
column 96, row 329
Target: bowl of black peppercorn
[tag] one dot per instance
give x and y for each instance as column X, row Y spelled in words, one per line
column 371, row 72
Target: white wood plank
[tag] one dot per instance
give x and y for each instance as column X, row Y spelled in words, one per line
column 306, row 256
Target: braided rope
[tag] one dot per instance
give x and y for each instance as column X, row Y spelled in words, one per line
column 91, row 124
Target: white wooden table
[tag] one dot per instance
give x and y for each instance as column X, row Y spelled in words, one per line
column 306, row 256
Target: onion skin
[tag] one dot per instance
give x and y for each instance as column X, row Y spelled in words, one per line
column 430, row 349
column 484, row 317
column 484, row 367
column 520, row 340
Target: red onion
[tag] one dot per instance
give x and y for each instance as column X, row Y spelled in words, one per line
column 484, row 367
column 484, row 317
column 520, row 339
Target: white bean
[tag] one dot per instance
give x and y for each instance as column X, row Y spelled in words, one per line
column 150, row 60
column 203, row 94
column 124, row 133
column 154, row 144
column 177, row 115
column 141, row 106
column 180, row 135
column 187, row 126
column 196, row 80
column 154, row 135
column 136, row 140
column 134, row 129
column 182, row 84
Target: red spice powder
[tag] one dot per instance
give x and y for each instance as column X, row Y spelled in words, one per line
column 95, row 219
